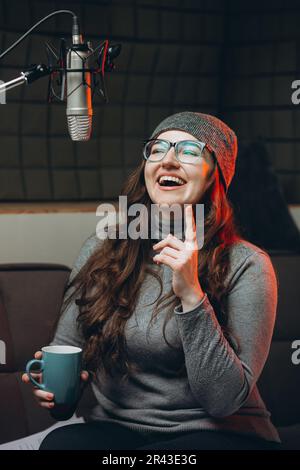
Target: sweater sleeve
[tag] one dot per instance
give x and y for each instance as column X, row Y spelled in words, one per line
column 67, row 332
column 220, row 379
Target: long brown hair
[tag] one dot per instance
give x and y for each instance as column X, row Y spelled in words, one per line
column 106, row 288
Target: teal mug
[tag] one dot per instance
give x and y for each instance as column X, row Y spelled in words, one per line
column 61, row 370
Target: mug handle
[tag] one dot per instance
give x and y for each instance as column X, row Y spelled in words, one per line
column 28, row 372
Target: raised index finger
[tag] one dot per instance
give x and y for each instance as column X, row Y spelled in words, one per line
column 190, row 227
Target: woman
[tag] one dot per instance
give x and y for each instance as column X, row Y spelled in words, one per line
column 174, row 337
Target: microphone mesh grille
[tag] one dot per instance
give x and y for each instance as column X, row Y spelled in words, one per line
column 80, row 127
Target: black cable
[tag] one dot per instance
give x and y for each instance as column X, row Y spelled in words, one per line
column 75, row 28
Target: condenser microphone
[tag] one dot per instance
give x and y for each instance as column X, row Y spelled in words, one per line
column 72, row 75
column 78, row 89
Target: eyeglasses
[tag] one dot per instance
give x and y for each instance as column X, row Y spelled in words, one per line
column 186, row 151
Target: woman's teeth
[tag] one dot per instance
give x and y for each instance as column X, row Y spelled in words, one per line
column 163, row 180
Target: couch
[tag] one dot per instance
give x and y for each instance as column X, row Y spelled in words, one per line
column 30, row 301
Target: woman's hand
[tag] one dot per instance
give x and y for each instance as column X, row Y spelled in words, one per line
column 182, row 258
column 45, row 399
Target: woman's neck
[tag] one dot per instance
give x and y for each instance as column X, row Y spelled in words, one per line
column 163, row 226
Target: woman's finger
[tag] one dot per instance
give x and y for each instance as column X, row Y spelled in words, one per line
column 190, row 227
column 45, row 404
column 26, row 379
column 42, row 395
column 171, row 241
column 170, row 252
column 38, row 354
column 84, row 375
column 165, row 259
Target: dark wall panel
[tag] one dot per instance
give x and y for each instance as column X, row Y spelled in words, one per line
column 169, row 62
column 230, row 58
column 262, row 61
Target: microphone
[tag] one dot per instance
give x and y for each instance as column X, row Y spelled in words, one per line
column 72, row 70
column 78, row 88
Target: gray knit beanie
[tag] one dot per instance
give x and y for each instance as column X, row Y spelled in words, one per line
column 210, row 130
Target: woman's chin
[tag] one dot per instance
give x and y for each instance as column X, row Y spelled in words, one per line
column 182, row 195
column 169, row 200
column 168, row 197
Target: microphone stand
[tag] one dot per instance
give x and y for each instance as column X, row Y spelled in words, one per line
column 107, row 53
column 28, row 76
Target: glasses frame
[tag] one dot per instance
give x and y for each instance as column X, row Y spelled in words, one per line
column 175, row 145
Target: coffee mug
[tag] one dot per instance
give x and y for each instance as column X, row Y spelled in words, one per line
column 61, row 368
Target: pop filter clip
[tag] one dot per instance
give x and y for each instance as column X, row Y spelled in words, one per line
column 103, row 56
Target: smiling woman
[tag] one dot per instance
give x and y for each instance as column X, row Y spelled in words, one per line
column 174, row 337
column 184, row 166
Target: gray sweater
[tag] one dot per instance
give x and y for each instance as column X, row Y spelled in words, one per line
column 218, row 390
